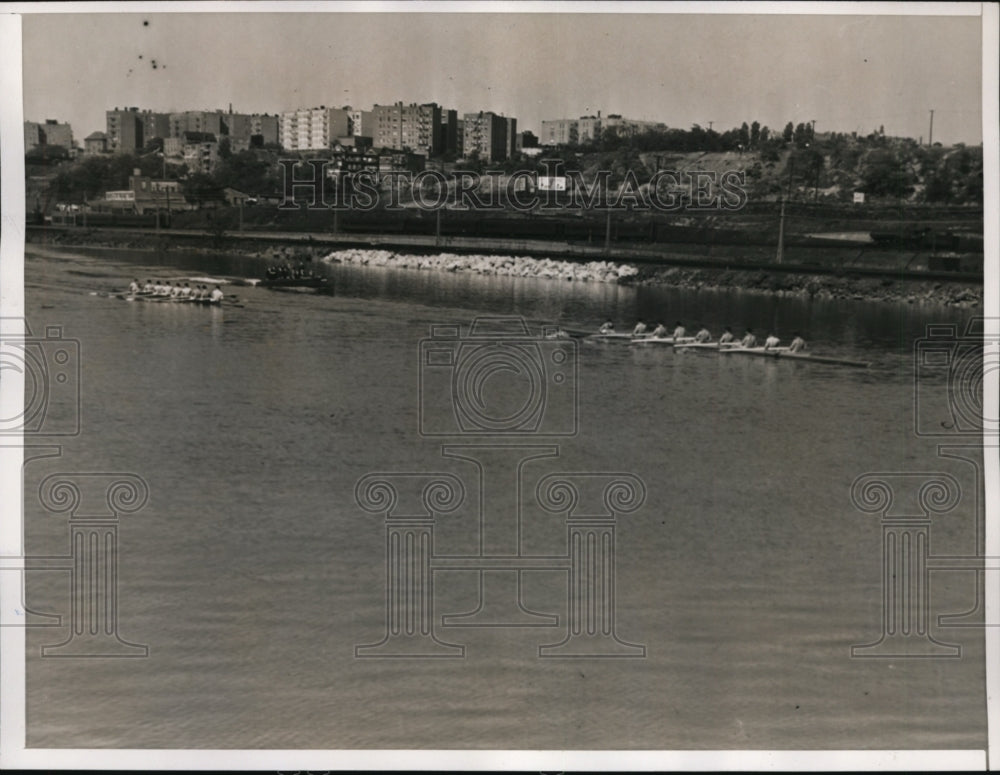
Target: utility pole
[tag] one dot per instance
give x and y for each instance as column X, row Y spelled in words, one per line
column 930, row 134
column 710, row 125
column 781, row 235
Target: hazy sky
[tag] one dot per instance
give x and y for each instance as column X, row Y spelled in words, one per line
column 846, row 72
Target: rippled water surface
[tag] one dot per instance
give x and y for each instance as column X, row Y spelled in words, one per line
column 252, row 573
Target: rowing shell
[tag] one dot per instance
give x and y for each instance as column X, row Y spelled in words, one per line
column 775, row 352
column 754, row 350
column 681, row 341
column 166, row 299
column 724, row 346
column 609, row 337
column 784, row 354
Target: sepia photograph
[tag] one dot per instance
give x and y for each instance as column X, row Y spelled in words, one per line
column 499, row 386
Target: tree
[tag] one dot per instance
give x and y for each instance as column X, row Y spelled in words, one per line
column 787, row 134
column 886, row 175
column 744, row 137
column 754, row 134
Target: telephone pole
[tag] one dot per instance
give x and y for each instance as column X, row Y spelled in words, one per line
column 930, row 134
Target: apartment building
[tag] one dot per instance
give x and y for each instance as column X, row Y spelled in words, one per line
column 486, row 135
column 409, row 127
column 124, row 130
column 309, row 129
column 560, row 131
column 206, row 121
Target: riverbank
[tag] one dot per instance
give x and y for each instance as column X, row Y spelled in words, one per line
column 765, row 280
column 857, row 288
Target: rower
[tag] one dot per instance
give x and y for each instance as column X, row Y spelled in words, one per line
column 640, row 329
column 607, row 328
column 203, row 293
column 557, row 333
column 798, row 343
column 679, row 330
column 149, row 287
column 703, row 335
column 749, row 340
column 133, row 287
column 186, row 291
column 771, row 342
column 217, row 295
column 727, row 337
column 660, row 331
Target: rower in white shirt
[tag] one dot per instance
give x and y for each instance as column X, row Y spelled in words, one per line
column 679, row 330
column 640, row 329
column 217, row 295
column 749, row 340
column 798, row 343
column 727, row 337
column 703, row 335
column 133, row 287
column 607, row 328
column 660, row 331
column 771, row 342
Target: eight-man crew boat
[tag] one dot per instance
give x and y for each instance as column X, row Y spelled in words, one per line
column 173, row 294
column 728, row 344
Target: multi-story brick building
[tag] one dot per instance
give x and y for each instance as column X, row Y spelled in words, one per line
column 266, row 127
column 409, row 127
column 201, row 156
column 512, row 137
column 449, row 131
column 560, row 131
column 124, row 130
column 33, row 135
column 196, row 121
column 155, row 125
column 486, row 135
column 589, row 128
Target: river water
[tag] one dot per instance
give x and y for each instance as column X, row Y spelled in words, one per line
column 252, row 573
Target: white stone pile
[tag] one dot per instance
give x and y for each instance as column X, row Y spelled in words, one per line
column 513, row 266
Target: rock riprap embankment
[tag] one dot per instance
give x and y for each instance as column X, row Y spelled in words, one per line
column 510, row 266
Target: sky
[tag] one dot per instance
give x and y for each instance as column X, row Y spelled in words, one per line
column 848, row 73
